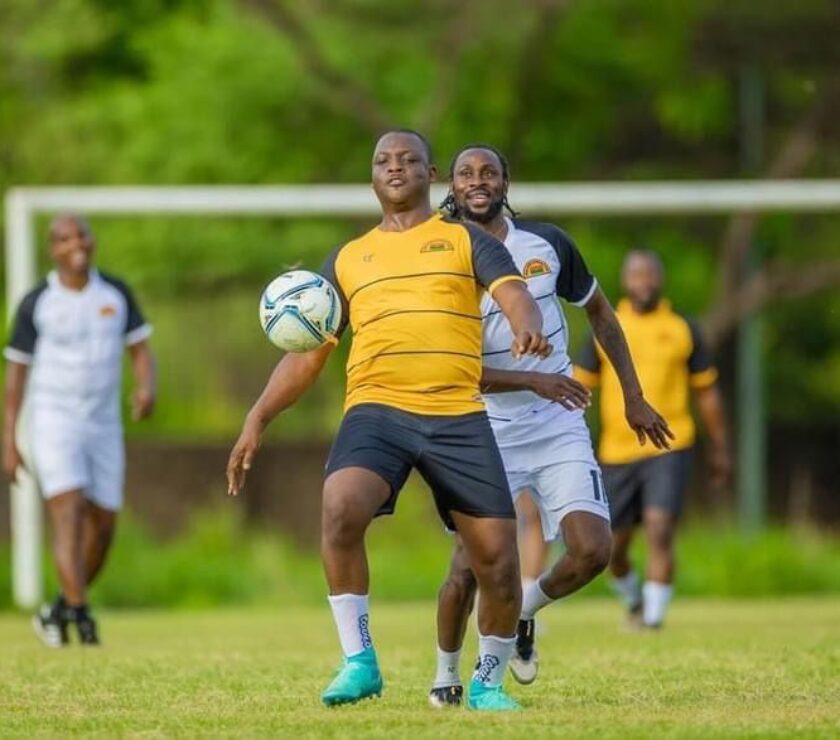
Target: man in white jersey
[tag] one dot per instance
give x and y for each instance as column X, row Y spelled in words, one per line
column 536, row 410
column 67, row 341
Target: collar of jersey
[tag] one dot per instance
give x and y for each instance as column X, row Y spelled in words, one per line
column 436, row 216
column 625, row 308
column 52, row 279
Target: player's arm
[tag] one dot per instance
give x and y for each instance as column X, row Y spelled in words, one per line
column 13, row 399
column 641, row 416
column 290, row 379
column 556, row 387
column 145, row 379
column 709, row 399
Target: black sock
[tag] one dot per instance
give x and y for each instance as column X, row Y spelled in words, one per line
column 77, row 613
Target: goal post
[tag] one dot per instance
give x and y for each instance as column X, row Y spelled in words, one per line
column 24, row 204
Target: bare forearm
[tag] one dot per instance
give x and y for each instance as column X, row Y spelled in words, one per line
column 13, row 398
column 144, row 368
column 710, row 406
column 610, row 336
column 504, row 381
column 290, row 379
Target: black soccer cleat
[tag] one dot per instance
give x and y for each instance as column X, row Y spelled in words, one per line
column 524, row 663
column 50, row 626
column 86, row 627
column 446, row 696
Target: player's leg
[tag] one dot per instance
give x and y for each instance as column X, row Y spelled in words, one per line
column 66, row 514
column 456, row 600
column 490, row 546
column 533, row 549
column 664, row 484
column 99, row 527
column 624, row 493
column 351, row 498
column 572, row 503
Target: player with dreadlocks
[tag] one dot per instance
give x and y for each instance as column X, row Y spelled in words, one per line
column 536, row 411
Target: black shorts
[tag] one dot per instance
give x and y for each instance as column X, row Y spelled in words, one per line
column 456, row 455
column 654, row 483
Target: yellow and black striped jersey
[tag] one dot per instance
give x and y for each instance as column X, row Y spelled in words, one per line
column 412, row 299
column 670, row 357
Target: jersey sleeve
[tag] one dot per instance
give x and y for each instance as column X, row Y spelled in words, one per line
column 137, row 329
column 575, row 283
column 21, row 346
column 701, row 371
column 492, row 263
column 588, row 364
column 329, row 272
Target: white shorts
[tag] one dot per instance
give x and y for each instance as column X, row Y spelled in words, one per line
column 562, row 475
column 68, row 456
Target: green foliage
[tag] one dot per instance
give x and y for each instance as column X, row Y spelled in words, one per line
column 219, row 562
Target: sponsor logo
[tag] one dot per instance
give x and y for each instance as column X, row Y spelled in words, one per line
column 438, row 245
column 485, row 668
column 535, row 267
column 364, row 631
column 367, row 258
column 107, row 310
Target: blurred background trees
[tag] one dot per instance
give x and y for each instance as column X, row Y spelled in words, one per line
column 274, row 91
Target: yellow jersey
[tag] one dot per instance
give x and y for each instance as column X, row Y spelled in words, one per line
column 412, row 299
column 670, row 358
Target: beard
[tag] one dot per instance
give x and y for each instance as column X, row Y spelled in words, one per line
column 493, row 210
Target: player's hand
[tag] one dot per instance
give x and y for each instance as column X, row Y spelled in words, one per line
column 720, row 463
column 568, row 392
column 12, row 460
column 647, row 423
column 241, row 458
column 530, row 343
column 142, row 403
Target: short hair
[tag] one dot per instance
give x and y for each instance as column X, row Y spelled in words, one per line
column 645, row 253
column 448, row 203
column 411, row 132
column 80, row 221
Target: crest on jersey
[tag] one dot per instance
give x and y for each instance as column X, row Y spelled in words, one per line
column 535, row 267
column 107, row 310
column 438, row 245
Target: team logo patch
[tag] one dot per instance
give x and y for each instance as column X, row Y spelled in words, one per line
column 535, row 267
column 107, row 311
column 438, row 245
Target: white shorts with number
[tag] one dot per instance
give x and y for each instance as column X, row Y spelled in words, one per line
column 558, row 466
column 69, row 455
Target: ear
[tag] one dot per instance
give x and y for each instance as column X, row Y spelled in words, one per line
column 433, row 173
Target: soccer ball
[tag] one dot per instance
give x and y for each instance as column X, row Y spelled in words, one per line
column 300, row 311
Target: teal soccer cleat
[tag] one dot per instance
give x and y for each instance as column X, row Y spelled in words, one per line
column 359, row 678
column 490, row 699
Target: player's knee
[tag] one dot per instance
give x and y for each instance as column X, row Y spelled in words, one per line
column 593, row 557
column 500, row 580
column 340, row 527
column 461, row 585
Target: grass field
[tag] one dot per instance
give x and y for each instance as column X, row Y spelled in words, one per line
column 721, row 668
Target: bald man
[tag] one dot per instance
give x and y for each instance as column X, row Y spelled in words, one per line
column 646, row 485
column 68, row 339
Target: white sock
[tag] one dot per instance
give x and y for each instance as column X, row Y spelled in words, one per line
column 628, row 588
column 350, row 612
column 448, row 673
column 493, row 656
column 656, row 599
column 534, row 599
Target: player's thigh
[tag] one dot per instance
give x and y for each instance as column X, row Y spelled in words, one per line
column 374, row 446
column 105, row 454
column 57, row 448
column 489, row 544
column 566, row 487
column 664, row 481
column 622, row 483
column 462, row 465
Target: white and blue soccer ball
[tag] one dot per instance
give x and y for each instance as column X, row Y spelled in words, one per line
column 300, row 311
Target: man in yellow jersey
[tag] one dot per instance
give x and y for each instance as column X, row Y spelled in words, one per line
column 411, row 289
column 644, row 484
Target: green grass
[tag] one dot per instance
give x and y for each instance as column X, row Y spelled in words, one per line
column 721, row 669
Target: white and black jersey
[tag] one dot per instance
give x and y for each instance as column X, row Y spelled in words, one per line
column 73, row 341
column 553, row 268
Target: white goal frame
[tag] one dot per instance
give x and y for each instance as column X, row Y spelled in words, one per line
column 23, row 205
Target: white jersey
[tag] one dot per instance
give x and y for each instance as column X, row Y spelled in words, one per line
column 553, row 268
column 74, row 342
